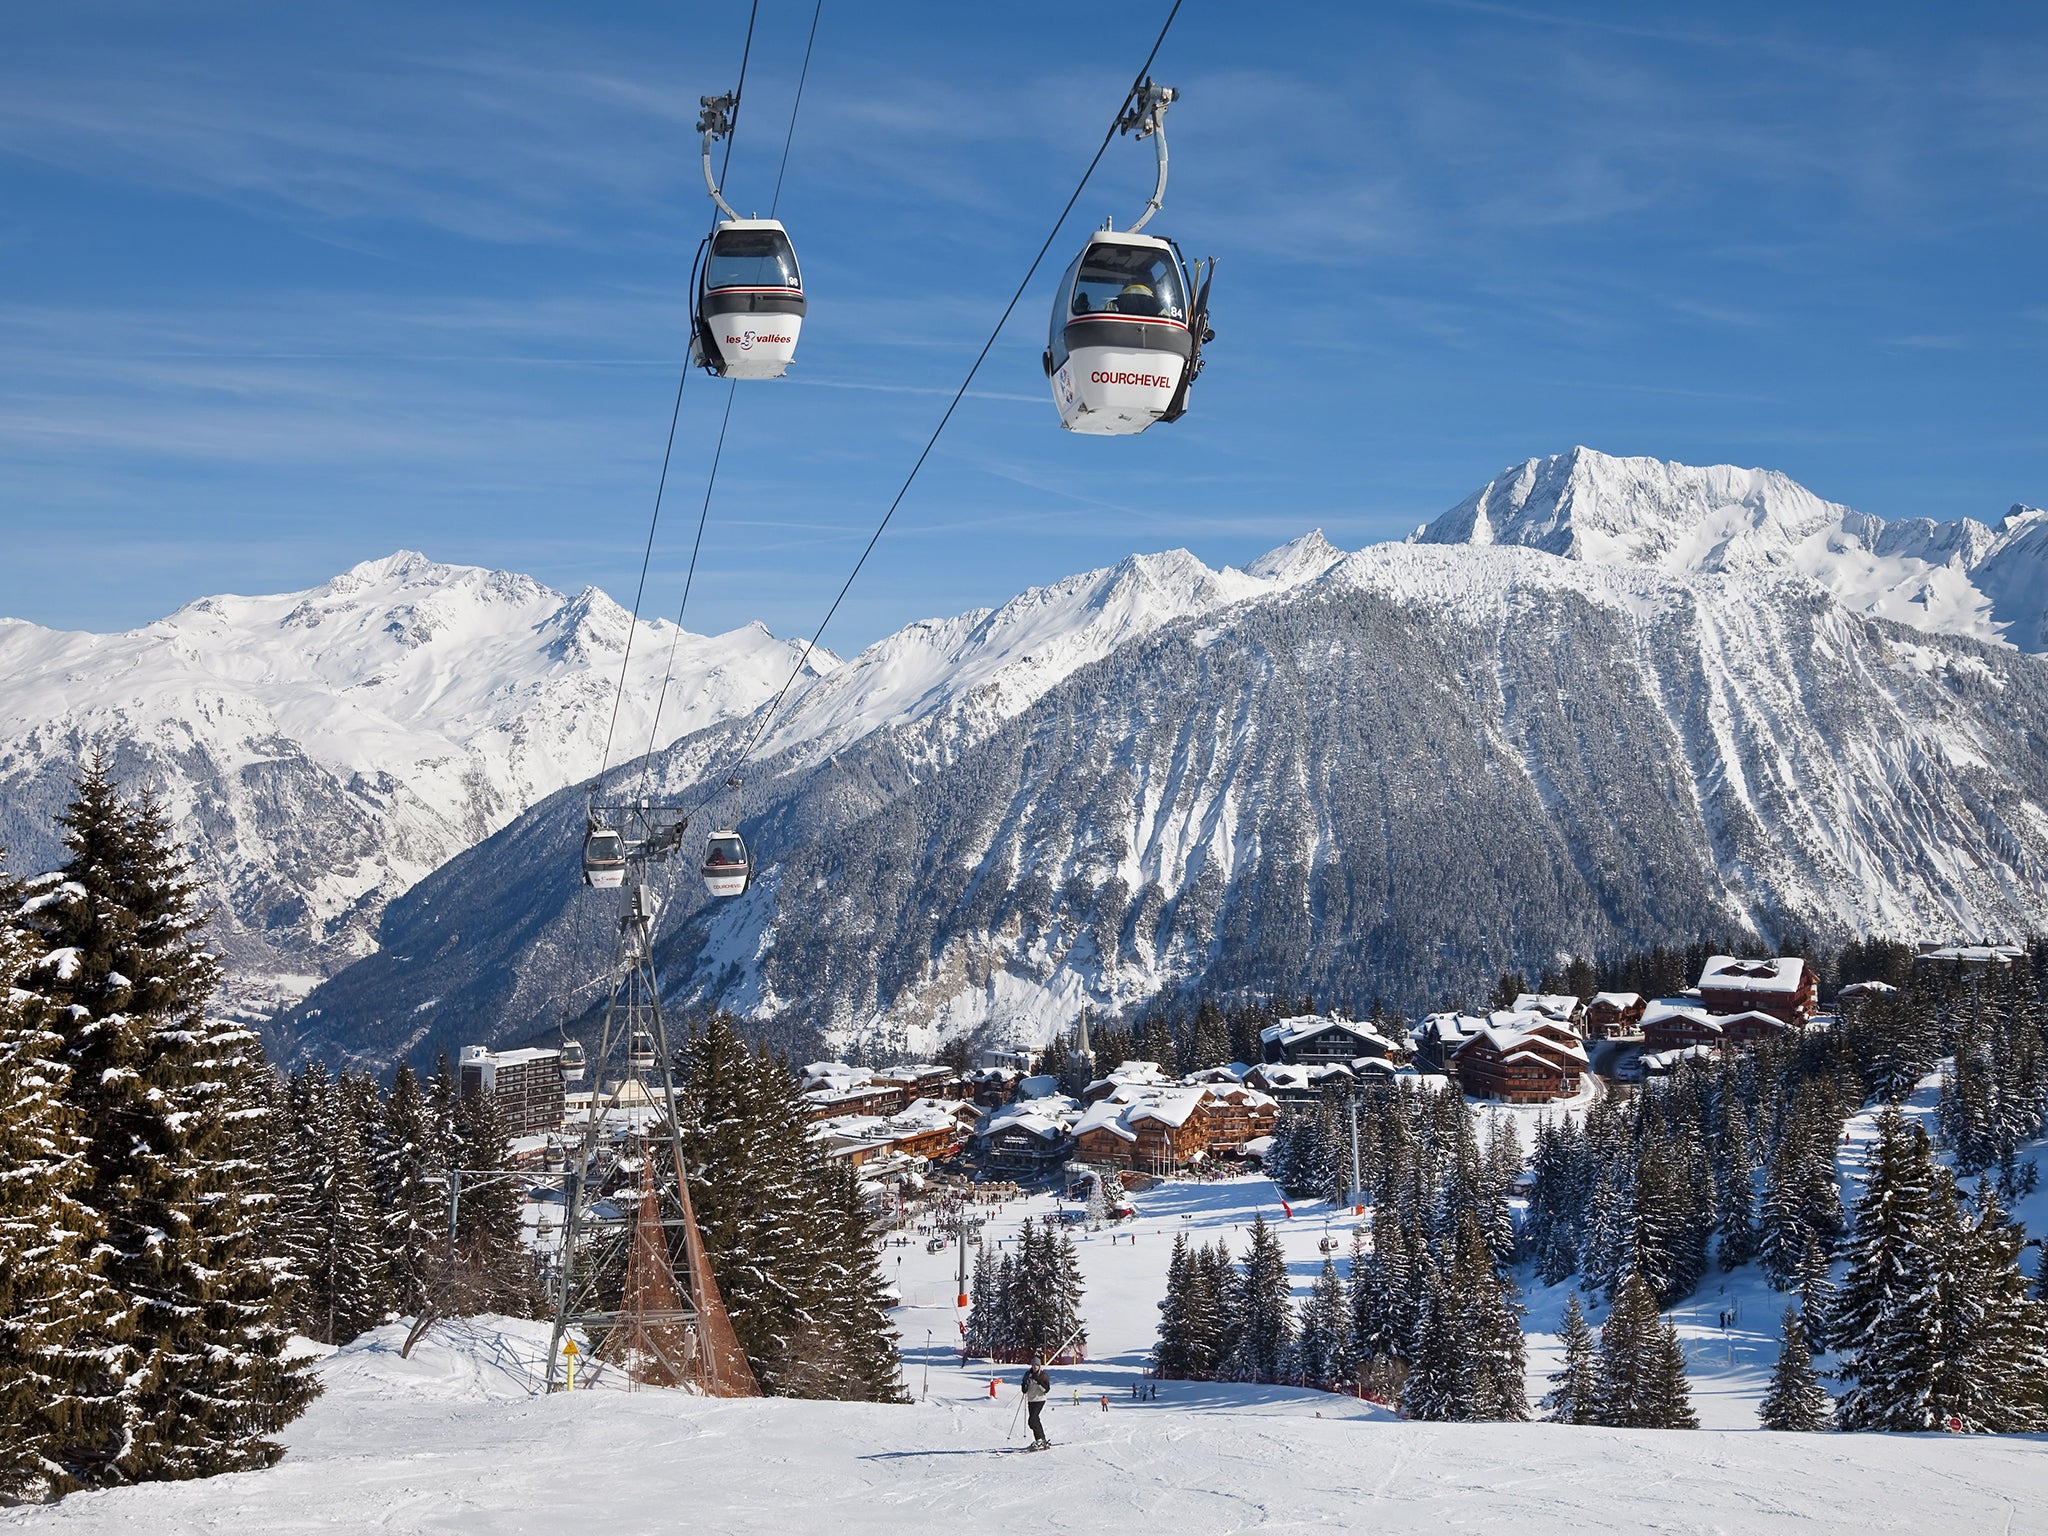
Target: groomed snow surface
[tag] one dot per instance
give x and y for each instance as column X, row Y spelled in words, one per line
column 456, row 1439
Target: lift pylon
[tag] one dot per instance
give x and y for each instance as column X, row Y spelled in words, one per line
column 628, row 1187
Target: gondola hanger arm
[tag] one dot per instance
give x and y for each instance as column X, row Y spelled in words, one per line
column 714, row 123
column 1145, row 115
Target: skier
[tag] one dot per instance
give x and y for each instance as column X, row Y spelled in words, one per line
column 1037, row 1388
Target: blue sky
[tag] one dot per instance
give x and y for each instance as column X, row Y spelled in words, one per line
column 287, row 287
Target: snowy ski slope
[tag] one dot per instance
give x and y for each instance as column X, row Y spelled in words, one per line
column 456, row 1441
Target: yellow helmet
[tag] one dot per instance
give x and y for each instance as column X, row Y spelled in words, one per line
column 1143, row 288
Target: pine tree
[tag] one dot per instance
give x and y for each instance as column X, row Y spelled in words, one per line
column 407, row 1177
column 1796, row 1399
column 1172, row 1355
column 1642, row 1365
column 57, row 1315
column 1320, row 1350
column 785, row 1231
column 174, row 1104
column 1264, row 1308
column 338, row 1249
column 1574, row 1388
column 1438, row 1385
column 494, row 1272
column 1817, row 1297
column 1492, row 1330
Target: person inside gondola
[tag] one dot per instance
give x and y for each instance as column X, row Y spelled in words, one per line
column 1137, row 299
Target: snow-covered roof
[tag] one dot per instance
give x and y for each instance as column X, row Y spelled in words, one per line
column 1234, row 1073
column 1448, row 1028
column 1782, row 973
column 1664, row 1061
column 1172, row 1107
column 1039, row 1087
column 1540, row 1042
column 1106, row 1115
column 1976, row 954
column 1658, row 1013
column 1133, row 1074
column 1619, row 999
column 1305, row 1026
column 1556, row 1005
column 1259, row 1147
column 1874, row 988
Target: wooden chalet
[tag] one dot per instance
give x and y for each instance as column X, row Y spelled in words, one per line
column 870, row 1098
column 924, row 1080
column 1521, row 1059
column 1612, row 1014
column 1233, row 1115
column 1024, row 1146
column 1311, row 1041
column 1564, row 1007
column 1784, row 987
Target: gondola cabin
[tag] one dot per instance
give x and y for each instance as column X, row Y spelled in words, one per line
column 727, row 869
column 750, row 301
column 640, row 1051
column 604, row 859
column 1122, row 336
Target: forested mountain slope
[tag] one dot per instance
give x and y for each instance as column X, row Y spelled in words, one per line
column 1419, row 766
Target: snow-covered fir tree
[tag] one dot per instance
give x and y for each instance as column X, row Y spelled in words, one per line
column 1575, row 1386
column 61, row 1326
column 1264, row 1310
column 337, row 1248
column 408, row 1177
column 1322, row 1342
column 1796, row 1399
column 1642, row 1380
column 785, row 1231
column 178, row 1124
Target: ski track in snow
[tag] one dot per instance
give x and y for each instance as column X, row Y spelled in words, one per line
column 456, row 1441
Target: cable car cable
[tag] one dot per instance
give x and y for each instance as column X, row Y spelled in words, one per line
column 718, row 452
column 775, row 706
column 796, row 106
column 668, row 451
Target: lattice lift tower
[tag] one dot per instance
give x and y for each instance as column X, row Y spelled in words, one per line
column 617, row 1278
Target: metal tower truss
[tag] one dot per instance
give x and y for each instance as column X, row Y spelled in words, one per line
column 632, row 1273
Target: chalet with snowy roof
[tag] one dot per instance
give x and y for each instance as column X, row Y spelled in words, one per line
column 1235, row 1114
column 1865, row 989
column 1664, row 1063
column 1439, row 1037
column 1311, row 1041
column 1612, row 1015
column 1521, row 1058
column 1969, row 959
column 1127, row 1075
column 838, row 1098
column 1784, row 987
column 1562, row 1006
column 1025, row 1141
column 1297, row 1087
column 923, row 1080
column 991, row 1087
column 1159, row 1129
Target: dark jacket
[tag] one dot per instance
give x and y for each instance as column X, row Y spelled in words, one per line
column 1037, row 1386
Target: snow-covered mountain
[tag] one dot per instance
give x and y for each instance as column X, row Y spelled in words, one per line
column 321, row 750
column 1389, row 772
column 1965, row 578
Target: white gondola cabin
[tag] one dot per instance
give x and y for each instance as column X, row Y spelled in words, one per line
column 750, row 301
column 604, row 859
column 1124, row 336
column 727, row 869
